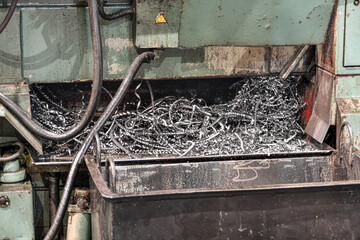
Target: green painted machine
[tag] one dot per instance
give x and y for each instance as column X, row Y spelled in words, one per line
column 74, row 49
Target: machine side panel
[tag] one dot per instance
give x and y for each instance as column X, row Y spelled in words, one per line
column 57, row 48
column 253, row 22
column 351, row 35
column 312, row 214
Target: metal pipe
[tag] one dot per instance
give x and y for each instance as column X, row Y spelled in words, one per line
column 15, row 155
column 144, row 57
column 53, row 197
column 34, row 127
column 8, row 15
column 97, row 149
column 110, row 164
column 115, row 15
column 351, row 136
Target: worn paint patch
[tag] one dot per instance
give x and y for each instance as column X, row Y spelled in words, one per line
column 118, row 44
column 115, row 68
column 232, row 60
column 349, row 105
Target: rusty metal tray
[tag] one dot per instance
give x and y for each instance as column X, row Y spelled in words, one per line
column 186, row 175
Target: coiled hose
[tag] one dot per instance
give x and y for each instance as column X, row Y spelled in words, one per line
column 144, row 57
column 15, row 155
column 34, row 127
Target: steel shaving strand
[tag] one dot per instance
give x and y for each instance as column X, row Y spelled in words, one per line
column 262, row 118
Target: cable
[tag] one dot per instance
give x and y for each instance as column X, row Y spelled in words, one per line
column 15, row 155
column 8, row 15
column 144, row 57
column 115, row 15
column 34, row 127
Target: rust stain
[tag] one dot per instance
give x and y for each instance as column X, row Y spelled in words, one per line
column 309, row 99
column 357, row 140
column 349, row 105
column 327, row 57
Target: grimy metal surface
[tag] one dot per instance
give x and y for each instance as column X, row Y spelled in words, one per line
column 220, row 176
column 161, row 179
column 328, row 211
column 33, row 48
column 325, row 213
column 301, row 198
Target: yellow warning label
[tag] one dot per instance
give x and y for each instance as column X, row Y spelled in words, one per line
column 160, row 18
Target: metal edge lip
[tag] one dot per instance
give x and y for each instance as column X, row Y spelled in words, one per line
column 325, row 150
column 169, row 160
column 110, row 196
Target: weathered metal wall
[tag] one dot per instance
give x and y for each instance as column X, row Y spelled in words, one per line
column 53, row 44
column 327, row 213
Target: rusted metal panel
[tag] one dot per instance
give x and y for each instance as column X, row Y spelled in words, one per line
column 320, row 119
column 326, row 52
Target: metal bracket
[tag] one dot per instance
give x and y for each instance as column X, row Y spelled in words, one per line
column 110, row 164
column 21, row 129
column 291, row 64
column 351, row 150
column 320, row 119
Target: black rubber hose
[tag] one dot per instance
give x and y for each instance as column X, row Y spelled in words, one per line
column 53, row 197
column 144, row 57
column 115, row 15
column 34, row 127
column 8, row 15
column 15, row 155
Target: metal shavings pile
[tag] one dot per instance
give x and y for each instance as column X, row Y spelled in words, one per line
column 262, row 118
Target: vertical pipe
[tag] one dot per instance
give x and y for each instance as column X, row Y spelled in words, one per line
column 53, row 198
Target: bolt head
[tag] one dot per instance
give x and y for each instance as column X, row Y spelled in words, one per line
column 4, row 201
